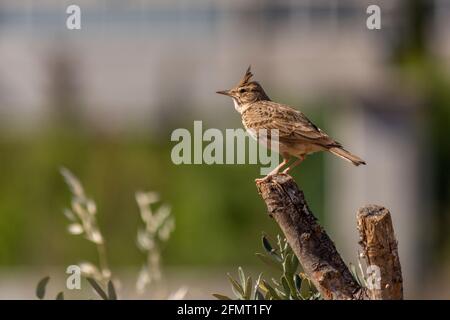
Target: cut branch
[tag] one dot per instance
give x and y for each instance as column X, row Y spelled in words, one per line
column 315, row 250
column 380, row 251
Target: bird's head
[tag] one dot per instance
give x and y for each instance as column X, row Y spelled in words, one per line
column 246, row 91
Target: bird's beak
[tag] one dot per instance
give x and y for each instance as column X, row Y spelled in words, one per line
column 225, row 92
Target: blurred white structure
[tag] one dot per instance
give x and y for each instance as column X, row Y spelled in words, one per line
column 133, row 58
column 387, row 139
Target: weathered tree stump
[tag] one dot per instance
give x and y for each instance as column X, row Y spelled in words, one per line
column 317, row 253
column 380, row 249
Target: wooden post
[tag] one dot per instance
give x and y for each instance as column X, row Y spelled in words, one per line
column 379, row 245
column 309, row 241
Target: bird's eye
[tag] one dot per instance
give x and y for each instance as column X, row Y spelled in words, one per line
column 242, row 90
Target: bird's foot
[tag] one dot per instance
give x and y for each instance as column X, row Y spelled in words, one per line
column 273, row 172
column 261, row 180
column 268, row 177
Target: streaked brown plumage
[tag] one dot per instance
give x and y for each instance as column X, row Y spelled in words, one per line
column 297, row 135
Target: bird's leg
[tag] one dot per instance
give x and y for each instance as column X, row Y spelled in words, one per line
column 281, row 165
column 274, row 171
column 294, row 164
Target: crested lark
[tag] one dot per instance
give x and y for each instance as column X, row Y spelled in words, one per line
column 297, row 135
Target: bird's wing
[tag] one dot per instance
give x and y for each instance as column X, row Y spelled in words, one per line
column 292, row 125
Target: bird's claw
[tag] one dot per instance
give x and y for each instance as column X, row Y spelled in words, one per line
column 260, row 180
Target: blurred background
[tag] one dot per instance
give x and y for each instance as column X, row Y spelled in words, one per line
column 103, row 101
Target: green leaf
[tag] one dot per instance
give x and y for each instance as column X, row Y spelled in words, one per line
column 305, row 290
column 352, row 268
column 221, row 297
column 290, row 264
column 270, row 260
column 316, row 296
column 97, row 288
column 292, row 287
column 355, row 273
column 309, row 288
column 285, row 263
column 363, row 280
column 41, row 286
column 282, row 245
column 298, row 282
column 258, row 295
column 236, row 286
column 272, row 293
column 60, row 296
column 276, row 282
column 281, row 294
column 241, row 276
column 293, row 264
column 256, row 291
column 111, row 291
column 266, row 244
column 248, row 289
column 285, row 284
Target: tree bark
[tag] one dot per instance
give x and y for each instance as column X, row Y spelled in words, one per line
column 312, row 246
column 314, row 249
column 380, row 251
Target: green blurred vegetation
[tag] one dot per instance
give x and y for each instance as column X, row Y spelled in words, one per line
column 219, row 215
column 434, row 82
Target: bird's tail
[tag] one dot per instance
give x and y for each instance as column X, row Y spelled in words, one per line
column 344, row 154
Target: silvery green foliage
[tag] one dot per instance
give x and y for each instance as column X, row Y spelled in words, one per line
column 178, row 294
column 109, row 294
column 158, row 225
column 243, row 288
column 41, row 289
column 291, row 284
column 82, row 217
column 359, row 274
column 83, row 221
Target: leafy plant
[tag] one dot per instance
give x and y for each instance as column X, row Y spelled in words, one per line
column 158, row 225
column 359, row 274
column 109, row 294
column 42, row 287
column 83, row 221
column 291, row 284
column 243, row 289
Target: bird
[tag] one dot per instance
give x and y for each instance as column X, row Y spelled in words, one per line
column 297, row 135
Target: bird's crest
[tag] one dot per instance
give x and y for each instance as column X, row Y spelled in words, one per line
column 248, row 75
